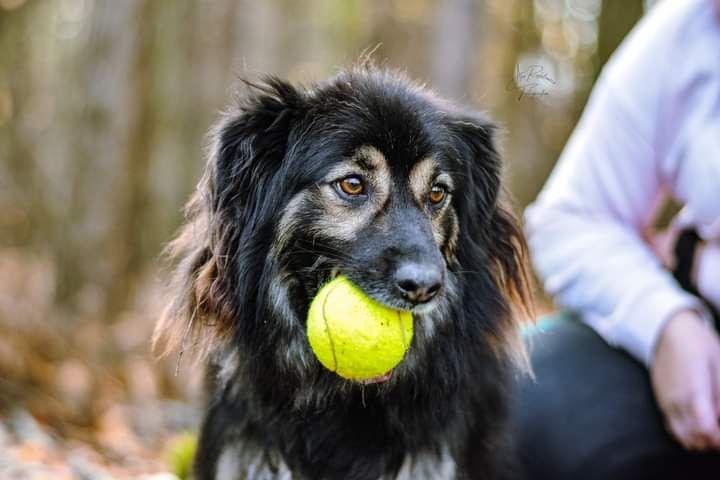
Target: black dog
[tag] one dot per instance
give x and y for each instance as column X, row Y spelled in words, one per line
column 373, row 177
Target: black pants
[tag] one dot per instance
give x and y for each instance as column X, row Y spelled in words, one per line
column 590, row 414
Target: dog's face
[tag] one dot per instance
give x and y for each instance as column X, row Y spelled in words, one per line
column 385, row 220
column 367, row 176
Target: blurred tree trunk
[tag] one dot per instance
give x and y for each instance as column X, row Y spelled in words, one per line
column 107, row 146
column 401, row 33
column 454, row 47
column 131, row 231
column 519, row 114
column 615, row 22
column 21, row 211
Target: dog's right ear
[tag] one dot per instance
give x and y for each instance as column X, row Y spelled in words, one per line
column 250, row 141
column 247, row 148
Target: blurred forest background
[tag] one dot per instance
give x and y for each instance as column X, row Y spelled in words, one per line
column 103, row 109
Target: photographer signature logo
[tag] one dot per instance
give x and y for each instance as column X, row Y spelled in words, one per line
column 530, row 81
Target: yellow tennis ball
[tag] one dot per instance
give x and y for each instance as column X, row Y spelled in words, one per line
column 354, row 336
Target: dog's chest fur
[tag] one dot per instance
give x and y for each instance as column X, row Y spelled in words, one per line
column 353, row 436
column 238, row 462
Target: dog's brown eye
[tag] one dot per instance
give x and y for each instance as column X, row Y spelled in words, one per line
column 352, row 186
column 437, row 194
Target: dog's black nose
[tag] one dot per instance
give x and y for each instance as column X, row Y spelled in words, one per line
column 418, row 282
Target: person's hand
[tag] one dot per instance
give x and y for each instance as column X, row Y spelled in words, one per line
column 685, row 375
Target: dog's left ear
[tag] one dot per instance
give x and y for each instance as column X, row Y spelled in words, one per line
column 474, row 140
column 486, row 213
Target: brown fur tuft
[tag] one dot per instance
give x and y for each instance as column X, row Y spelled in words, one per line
column 510, row 267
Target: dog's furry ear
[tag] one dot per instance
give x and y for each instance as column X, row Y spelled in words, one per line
column 475, row 141
column 492, row 223
column 247, row 148
column 250, row 141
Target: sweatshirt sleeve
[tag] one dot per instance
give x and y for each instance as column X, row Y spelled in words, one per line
column 585, row 228
column 708, row 273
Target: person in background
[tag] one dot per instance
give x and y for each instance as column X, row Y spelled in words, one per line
column 628, row 386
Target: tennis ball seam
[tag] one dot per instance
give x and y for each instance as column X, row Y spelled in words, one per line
column 402, row 330
column 327, row 328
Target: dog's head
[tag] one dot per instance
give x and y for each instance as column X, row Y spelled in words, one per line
column 366, row 175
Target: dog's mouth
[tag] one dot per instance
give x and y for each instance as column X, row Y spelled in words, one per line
column 374, row 380
column 381, row 379
column 390, row 302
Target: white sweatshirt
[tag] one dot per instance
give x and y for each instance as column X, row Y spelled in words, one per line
column 651, row 128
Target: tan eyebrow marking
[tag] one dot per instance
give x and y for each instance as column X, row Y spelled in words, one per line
column 420, row 178
column 372, row 157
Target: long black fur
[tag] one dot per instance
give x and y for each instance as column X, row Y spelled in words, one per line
column 270, row 403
